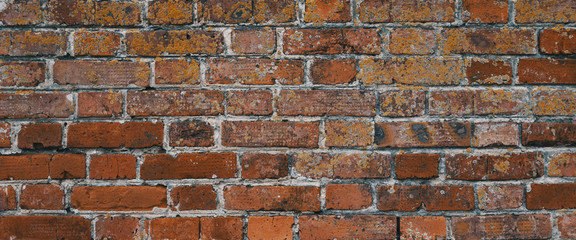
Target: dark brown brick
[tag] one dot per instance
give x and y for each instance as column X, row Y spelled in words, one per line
column 263, row 165
column 551, row 196
column 549, row 134
column 409, row 166
column 488, row 71
column 191, row 133
column 44, row 227
column 547, row 71
column 488, row 41
column 7, row 198
column 117, row 228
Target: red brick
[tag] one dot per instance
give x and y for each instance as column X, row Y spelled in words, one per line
column 551, row 196
column 562, row 165
column 500, row 197
column 189, row 165
column 485, row 11
column 249, row 102
column 547, row 71
column 488, row 71
column 221, row 228
column 495, row 167
column 256, row 71
column 332, row 41
column 488, row 41
column 44, row 196
column 567, row 226
column 244, row 11
column 348, row 196
column 44, row 227
column 40, row 136
column 412, row 41
column 495, row 134
column 33, row 43
column 22, row 74
column 191, row 133
column 177, row 71
column 418, row 165
column 7, row 198
column 402, row 103
column 70, row 12
column 327, row 11
column 558, row 41
column 492, row 101
column 253, row 41
column 532, row 11
column 99, row 13
column 422, row 134
column 42, row 166
column 174, row 228
column 118, row 198
column 270, row 134
column 113, row 166
column 67, row 166
column 347, row 227
column 96, row 43
column 199, row 197
column 5, row 141
column 263, row 165
column 36, row 105
column 115, row 135
column 550, row 101
column 378, row 11
column 424, row 228
column 527, row 226
column 22, row 12
column 101, row 73
column 348, row 134
column 333, row 71
column 273, row 228
column 353, row 165
column 174, row 42
column 411, row 71
column 431, row 198
column 171, row 12
column 175, row 103
column 272, row 198
column 100, row 104
column 549, row 134
column 117, row 228
column 326, row 102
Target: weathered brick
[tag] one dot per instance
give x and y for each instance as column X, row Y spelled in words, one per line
column 491, row 101
column 175, row 103
column 411, row 71
column 533, row 11
column 528, row 226
column 44, row 227
column 495, row 167
column 22, row 12
column 549, row 134
column 547, row 71
column 270, row 134
column 117, row 228
column 550, row 101
column 402, row 103
column 485, row 11
column 558, row 41
column 249, row 102
column 96, row 43
column 255, row 71
column 332, row 41
column 500, row 197
column 118, row 198
column 42, row 166
column 33, row 43
column 348, row 134
column 5, row 130
column 326, row 102
column 551, row 196
column 199, row 197
column 173, row 42
column 567, row 226
column 115, row 135
column 488, row 41
column 488, row 71
column 173, row 228
column 496, row 134
column 418, row 165
column 45, row 196
column 455, row 102
column 189, row 165
column 327, row 11
column 253, row 41
column 113, row 166
column 412, row 41
column 382, row 11
column 221, row 228
column 348, row 196
column 333, row 71
column 99, row 13
column 422, row 134
column 272, row 198
column 275, row 227
column 347, row 227
column 263, row 165
column 424, row 228
column 7, row 198
column 431, row 198
column 353, row 165
column 191, row 133
column 67, row 166
column 101, row 73
column 40, row 136
column 171, row 12
column 177, row 71
column 100, row 104
column 244, row 11
column 562, row 165
column 22, row 74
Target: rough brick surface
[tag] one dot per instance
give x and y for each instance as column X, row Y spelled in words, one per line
column 190, row 165
column 279, row 198
column 431, row 198
column 347, row 227
column 494, row 167
column 117, row 228
column 502, row 227
column 40, row 135
column 118, row 198
column 354, row 165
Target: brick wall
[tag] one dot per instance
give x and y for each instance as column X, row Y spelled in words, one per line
column 288, row 119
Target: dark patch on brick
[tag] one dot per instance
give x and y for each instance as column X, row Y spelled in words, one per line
column 459, row 128
column 421, row 132
column 379, row 134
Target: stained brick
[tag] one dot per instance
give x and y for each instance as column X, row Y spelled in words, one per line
column 431, row 198
column 548, row 134
column 412, row 41
column 534, row 11
column 562, row 165
column 424, row 228
column 256, row 71
column 101, row 73
column 175, row 103
column 333, row 71
column 348, row 134
column 353, row 165
column 44, row 196
column 33, row 43
column 22, row 12
column 527, row 226
column 402, row 103
column 422, row 134
column 332, row 41
column 347, row 227
column 249, row 102
column 113, row 166
column 177, row 71
column 117, row 228
column 40, row 136
column 189, row 165
column 270, row 134
column 198, row 197
column 500, row 197
column 547, row 71
column 96, row 43
column 411, row 71
column 496, row 134
column 115, row 135
column 7, row 198
column 191, row 133
column 272, row 198
column 100, row 104
column 421, row 165
column 558, row 41
column 22, row 74
column 326, row 102
column 378, row 11
column 99, row 13
column 5, row 132
column 171, row 12
column 221, row 228
column 567, row 226
column 44, row 227
column 488, row 71
column 324, row 11
column 550, row 101
column 254, row 41
column 485, row 11
column 173, row 42
column 495, row 167
column 263, row 165
column 488, row 41
column 245, row 11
